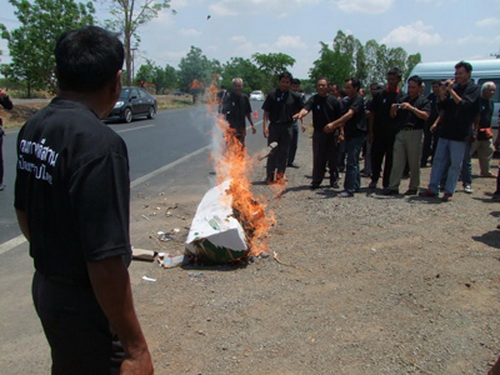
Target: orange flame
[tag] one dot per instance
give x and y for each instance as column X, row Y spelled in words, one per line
column 236, row 165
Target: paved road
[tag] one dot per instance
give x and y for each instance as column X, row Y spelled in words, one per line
column 152, row 144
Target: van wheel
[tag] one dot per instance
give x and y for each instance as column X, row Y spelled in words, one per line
column 151, row 113
column 127, row 115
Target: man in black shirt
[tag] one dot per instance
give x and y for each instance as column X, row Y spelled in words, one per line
column 325, row 109
column 72, row 202
column 410, row 116
column 382, row 130
column 429, row 145
column 7, row 104
column 353, row 123
column 236, row 108
column 279, row 107
column 482, row 128
column 458, row 105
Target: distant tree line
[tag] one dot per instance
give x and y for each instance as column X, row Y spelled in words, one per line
column 31, row 49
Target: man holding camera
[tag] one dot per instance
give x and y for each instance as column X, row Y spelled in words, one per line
column 410, row 116
column 458, row 105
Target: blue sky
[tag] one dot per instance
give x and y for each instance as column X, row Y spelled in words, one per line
column 439, row 29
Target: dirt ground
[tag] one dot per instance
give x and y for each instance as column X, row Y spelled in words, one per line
column 363, row 285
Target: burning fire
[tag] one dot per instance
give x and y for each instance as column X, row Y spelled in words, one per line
column 234, row 164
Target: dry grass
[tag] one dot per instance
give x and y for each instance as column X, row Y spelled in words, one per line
column 22, row 112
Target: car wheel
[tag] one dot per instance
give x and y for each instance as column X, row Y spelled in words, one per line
column 127, row 115
column 152, row 112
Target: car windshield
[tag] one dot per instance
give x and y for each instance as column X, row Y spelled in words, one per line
column 124, row 94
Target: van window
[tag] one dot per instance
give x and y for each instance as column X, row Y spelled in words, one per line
column 496, row 97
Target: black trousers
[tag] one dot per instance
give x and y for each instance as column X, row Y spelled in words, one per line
column 77, row 330
column 293, row 143
column 382, row 147
column 325, row 152
column 1, row 157
column 277, row 160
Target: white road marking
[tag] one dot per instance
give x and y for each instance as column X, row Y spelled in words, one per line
column 20, row 240
column 137, row 128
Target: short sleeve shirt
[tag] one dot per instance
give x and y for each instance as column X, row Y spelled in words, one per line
column 407, row 118
column 324, row 109
column 236, row 108
column 282, row 106
column 73, row 184
column 381, row 104
column 356, row 126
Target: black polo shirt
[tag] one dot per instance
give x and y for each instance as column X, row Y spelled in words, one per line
column 356, row 126
column 236, row 108
column 380, row 106
column 325, row 109
column 407, row 119
column 282, row 106
column 433, row 100
column 456, row 122
column 73, row 184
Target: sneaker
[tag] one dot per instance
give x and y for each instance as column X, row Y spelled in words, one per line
column 390, row 192
column 411, row 192
column 428, row 194
column 2, row 187
column 468, row 189
column 373, row 185
column 447, row 197
column 345, row 194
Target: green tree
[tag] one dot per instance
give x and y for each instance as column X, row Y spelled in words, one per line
column 252, row 76
column 272, row 65
column 32, row 45
column 196, row 67
column 127, row 16
column 334, row 65
column 163, row 79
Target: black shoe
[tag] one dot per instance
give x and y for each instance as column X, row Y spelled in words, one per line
column 390, row 192
column 314, row 186
column 411, row 192
column 334, row 185
column 293, row 165
column 373, row 185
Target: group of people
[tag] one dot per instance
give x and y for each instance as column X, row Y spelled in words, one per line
column 398, row 132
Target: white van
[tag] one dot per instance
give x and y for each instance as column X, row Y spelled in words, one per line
column 482, row 71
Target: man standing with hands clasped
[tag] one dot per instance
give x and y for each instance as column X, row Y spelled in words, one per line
column 72, row 202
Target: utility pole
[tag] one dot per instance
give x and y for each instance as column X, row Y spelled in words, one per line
column 133, row 65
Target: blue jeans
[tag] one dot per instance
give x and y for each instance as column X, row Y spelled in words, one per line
column 467, row 165
column 353, row 146
column 448, row 158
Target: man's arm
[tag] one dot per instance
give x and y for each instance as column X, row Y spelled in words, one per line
column 249, row 117
column 329, row 128
column 265, row 128
column 421, row 114
column 111, row 285
column 22, row 220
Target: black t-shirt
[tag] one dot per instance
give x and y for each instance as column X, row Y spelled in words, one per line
column 380, row 106
column 324, row 109
column 282, row 106
column 433, row 102
column 236, row 108
column 456, row 123
column 356, row 126
column 405, row 118
column 73, row 184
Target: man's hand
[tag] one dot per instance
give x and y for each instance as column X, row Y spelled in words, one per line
column 340, row 138
column 303, row 128
column 254, row 130
column 433, row 127
column 329, row 128
column 265, row 131
column 139, row 365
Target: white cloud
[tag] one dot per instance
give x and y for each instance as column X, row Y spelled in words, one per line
column 222, row 8
column 189, row 32
column 487, row 22
column 415, row 34
column 238, row 39
column 476, row 39
column 364, row 6
column 290, row 41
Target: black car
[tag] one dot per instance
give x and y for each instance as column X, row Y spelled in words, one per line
column 133, row 102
